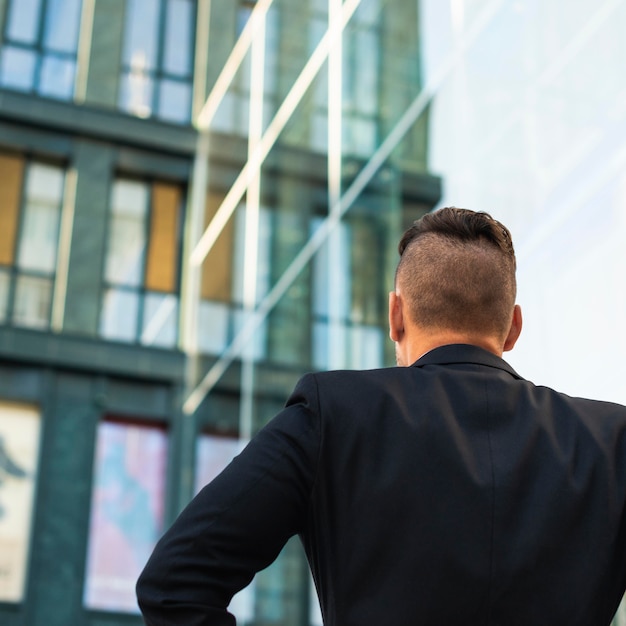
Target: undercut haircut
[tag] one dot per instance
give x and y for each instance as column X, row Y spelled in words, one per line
column 457, row 272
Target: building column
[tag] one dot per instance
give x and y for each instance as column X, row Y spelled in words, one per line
column 93, row 161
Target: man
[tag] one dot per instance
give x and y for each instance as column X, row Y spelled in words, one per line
column 446, row 491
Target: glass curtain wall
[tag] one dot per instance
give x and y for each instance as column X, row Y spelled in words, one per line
column 529, row 123
column 313, row 247
column 289, row 265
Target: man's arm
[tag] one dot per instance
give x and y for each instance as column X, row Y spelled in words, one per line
column 237, row 524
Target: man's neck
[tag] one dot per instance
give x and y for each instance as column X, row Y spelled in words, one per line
column 417, row 343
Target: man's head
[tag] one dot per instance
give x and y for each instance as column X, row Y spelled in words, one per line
column 456, row 280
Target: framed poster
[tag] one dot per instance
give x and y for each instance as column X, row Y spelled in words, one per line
column 19, row 452
column 126, row 511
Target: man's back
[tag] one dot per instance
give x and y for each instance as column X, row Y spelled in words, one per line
column 444, row 493
column 467, row 495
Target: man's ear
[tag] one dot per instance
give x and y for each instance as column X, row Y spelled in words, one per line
column 396, row 319
column 515, row 330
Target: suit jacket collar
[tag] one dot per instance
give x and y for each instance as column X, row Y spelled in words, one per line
column 464, row 353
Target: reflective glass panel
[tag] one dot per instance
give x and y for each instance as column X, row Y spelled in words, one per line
column 62, row 24
column 57, row 77
column 178, row 38
column 319, row 345
column 366, row 83
column 32, row 302
column 39, row 238
column 40, row 223
column 160, row 320
column 261, row 266
column 359, row 136
column 119, row 315
column 136, row 93
column 126, row 511
column 257, row 344
column 141, row 36
column 224, row 118
column 127, row 236
column 365, row 350
column 174, row 101
column 5, row 279
column 23, row 20
column 45, row 184
column 17, row 68
column 213, row 325
column 367, row 12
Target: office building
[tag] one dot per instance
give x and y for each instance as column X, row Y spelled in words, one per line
column 139, row 350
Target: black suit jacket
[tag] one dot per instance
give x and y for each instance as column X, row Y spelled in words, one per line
column 449, row 492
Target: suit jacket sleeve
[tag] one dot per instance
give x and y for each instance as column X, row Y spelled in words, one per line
column 237, row 524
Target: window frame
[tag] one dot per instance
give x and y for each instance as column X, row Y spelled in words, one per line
column 141, row 290
column 13, row 271
column 40, row 50
column 158, row 74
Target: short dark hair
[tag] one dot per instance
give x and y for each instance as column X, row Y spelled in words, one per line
column 457, row 272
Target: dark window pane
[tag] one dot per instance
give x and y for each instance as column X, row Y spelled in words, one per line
column 23, row 20
column 62, row 22
column 174, row 101
column 178, row 38
column 57, row 78
column 141, row 37
column 17, row 68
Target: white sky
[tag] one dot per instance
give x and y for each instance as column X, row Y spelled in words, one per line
column 531, row 126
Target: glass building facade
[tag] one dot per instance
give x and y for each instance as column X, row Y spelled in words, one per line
column 199, row 202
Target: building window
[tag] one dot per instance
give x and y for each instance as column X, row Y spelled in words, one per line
column 126, row 510
column 141, row 272
column 220, row 314
column 233, row 113
column 360, row 80
column 39, row 47
column 348, row 320
column 361, row 49
column 157, row 61
column 31, row 195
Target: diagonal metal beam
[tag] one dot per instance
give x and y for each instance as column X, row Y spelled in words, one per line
column 331, row 222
